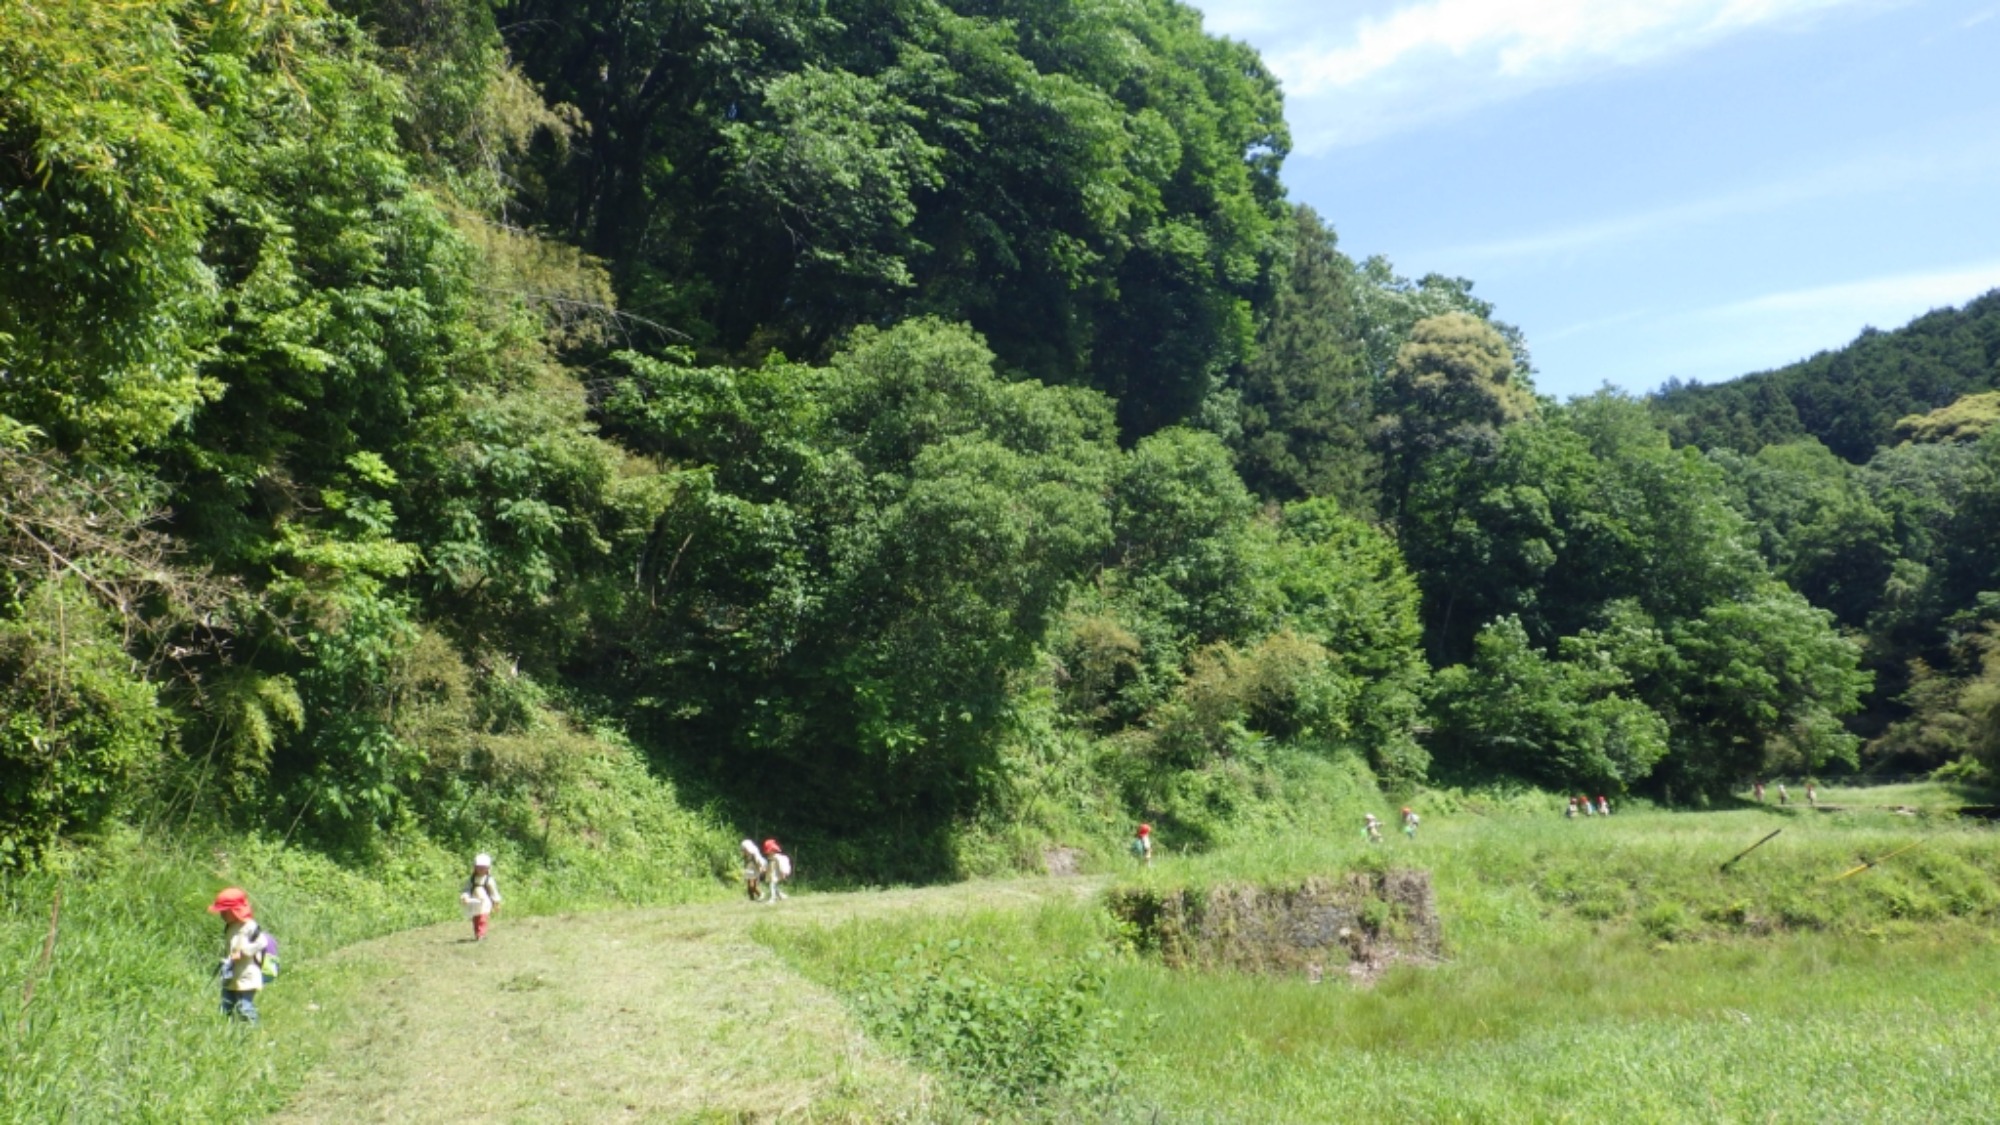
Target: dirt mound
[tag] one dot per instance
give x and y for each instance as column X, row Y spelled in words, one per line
column 1359, row 924
column 1063, row 863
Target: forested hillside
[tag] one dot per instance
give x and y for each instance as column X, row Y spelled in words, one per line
column 1872, row 477
column 924, row 424
column 1854, row 399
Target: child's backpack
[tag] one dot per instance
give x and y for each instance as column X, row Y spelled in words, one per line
column 268, row 959
column 784, row 863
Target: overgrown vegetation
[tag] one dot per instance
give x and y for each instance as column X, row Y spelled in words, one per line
column 406, row 417
column 1587, row 963
column 1871, row 475
column 920, row 430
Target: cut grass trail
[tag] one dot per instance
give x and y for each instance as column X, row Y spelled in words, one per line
column 670, row 1014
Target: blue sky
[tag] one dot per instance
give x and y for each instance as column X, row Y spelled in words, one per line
column 1653, row 188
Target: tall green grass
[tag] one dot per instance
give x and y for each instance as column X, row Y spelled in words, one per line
column 121, row 1022
column 1805, row 1029
column 1596, row 968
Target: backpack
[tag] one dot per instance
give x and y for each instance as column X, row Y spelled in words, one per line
column 784, row 863
column 267, row 959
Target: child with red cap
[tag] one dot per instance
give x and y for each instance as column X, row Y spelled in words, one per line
column 777, row 869
column 1142, row 845
column 242, row 954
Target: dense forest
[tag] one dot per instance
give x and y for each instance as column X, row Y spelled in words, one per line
column 1871, row 476
column 902, row 420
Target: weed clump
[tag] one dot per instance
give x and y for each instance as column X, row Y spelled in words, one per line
column 1036, row 1035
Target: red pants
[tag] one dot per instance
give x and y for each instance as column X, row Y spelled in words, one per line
column 479, row 926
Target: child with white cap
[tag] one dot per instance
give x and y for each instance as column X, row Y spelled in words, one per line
column 753, row 870
column 481, row 895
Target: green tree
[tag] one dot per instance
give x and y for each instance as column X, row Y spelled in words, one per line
column 1759, row 685
column 1452, row 387
column 1306, row 396
column 1568, row 723
column 1819, row 528
column 105, row 167
column 861, row 561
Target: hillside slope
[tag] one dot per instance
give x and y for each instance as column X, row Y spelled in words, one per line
column 1850, row 398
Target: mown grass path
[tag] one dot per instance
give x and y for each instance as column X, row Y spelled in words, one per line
column 662, row 1014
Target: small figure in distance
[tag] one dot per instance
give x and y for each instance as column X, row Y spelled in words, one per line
column 1371, row 828
column 1603, row 806
column 480, row 895
column 1584, row 803
column 1760, row 791
column 753, row 870
column 1812, row 794
column 777, row 869
column 1784, row 795
column 242, row 954
column 1142, row 845
column 1570, row 812
column 1410, row 822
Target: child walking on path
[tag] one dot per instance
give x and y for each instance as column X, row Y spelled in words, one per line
column 1142, row 845
column 242, row 954
column 777, row 869
column 481, row 895
column 753, row 870
column 1410, row 821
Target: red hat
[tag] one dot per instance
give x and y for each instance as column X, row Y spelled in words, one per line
column 1145, row 830
column 770, row 847
column 232, row 902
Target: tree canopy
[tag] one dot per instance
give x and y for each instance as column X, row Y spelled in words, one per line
column 883, row 416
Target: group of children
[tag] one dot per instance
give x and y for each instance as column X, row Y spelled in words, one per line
column 1583, row 805
column 250, row 956
column 765, row 871
column 1785, row 795
column 1371, row 827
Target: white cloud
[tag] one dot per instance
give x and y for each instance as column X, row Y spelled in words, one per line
column 1721, row 342
column 1922, row 162
column 1350, row 79
column 1883, row 302
column 1524, row 39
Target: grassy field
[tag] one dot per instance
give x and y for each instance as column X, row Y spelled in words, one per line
column 1593, row 967
column 1596, row 967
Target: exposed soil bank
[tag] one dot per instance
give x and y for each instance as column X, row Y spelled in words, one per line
column 1358, row 923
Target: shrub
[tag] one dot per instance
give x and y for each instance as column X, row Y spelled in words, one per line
column 1041, row 1035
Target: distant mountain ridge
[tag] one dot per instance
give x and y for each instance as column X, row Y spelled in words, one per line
column 1850, row 398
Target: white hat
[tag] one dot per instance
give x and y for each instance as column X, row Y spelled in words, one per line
column 482, row 860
